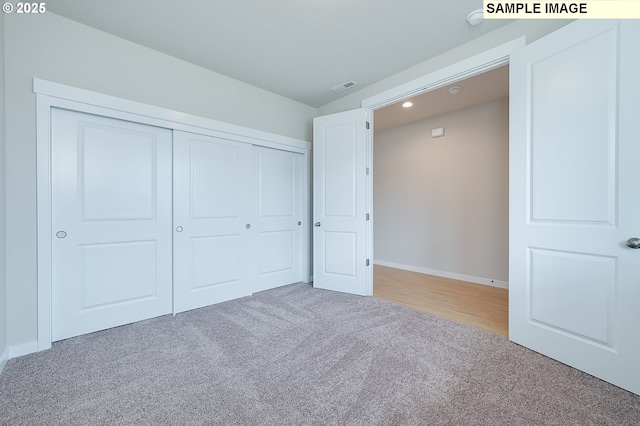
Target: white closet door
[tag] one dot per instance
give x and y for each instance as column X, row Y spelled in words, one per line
column 278, row 216
column 213, row 238
column 111, row 216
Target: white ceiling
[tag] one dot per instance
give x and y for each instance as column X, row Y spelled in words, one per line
column 296, row 48
column 481, row 88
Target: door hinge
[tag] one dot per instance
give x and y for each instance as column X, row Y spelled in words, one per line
column 367, row 216
column 367, row 262
column 367, row 171
column 367, row 125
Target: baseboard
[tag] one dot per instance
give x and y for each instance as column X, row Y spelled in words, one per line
column 3, row 359
column 23, row 349
column 452, row 275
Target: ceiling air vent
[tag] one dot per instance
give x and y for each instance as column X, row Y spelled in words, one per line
column 344, row 86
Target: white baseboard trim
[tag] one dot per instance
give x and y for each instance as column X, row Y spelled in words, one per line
column 452, row 275
column 23, row 349
column 3, row 359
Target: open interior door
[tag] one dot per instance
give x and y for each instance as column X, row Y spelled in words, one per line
column 575, row 212
column 341, row 202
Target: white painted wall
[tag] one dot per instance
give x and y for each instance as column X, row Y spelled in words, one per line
column 441, row 204
column 3, row 247
column 533, row 29
column 54, row 48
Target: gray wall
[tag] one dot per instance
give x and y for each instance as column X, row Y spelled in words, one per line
column 3, row 247
column 442, row 203
column 57, row 49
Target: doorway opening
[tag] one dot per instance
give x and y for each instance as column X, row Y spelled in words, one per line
column 441, row 201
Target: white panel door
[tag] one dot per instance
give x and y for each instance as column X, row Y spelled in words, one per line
column 340, row 201
column 574, row 284
column 111, row 215
column 277, row 216
column 213, row 240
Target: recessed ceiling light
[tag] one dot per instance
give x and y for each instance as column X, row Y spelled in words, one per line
column 454, row 90
column 407, row 104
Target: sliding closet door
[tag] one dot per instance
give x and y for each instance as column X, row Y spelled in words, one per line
column 111, row 219
column 213, row 239
column 278, row 216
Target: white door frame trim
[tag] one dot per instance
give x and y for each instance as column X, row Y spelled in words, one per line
column 477, row 64
column 54, row 95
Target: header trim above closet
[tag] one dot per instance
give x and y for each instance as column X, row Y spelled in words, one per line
column 115, row 107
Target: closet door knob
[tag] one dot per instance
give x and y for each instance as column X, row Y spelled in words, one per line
column 633, row 243
column 179, row 229
column 248, row 225
column 317, row 224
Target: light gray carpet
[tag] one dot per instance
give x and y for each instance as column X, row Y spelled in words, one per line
column 297, row 355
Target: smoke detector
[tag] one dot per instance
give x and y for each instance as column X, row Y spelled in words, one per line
column 475, row 17
column 344, row 86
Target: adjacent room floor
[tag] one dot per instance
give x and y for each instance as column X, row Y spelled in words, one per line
column 477, row 305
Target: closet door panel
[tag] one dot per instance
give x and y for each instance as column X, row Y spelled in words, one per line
column 278, row 216
column 111, row 218
column 213, row 239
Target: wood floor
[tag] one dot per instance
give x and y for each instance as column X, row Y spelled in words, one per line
column 477, row 305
